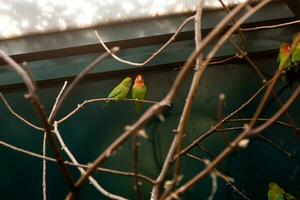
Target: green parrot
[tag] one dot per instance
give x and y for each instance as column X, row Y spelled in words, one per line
column 139, row 91
column 284, row 62
column 275, row 192
column 295, row 57
column 120, row 91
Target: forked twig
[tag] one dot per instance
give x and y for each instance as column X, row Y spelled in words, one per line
column 154, row 54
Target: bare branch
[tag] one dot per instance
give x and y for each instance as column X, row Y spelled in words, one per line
column 78, row 78
column 215, row 127
column 227, row 179
column 154, row 54
column 44, row 144
column 137, row 187
column 81, row 170
column 271, row 26
column 105, row 170
column 44, row 181
column 246, row 133
column 157, row 108
column 259, row 119
column 34, row 99
column 18, row 116
column 79, row 106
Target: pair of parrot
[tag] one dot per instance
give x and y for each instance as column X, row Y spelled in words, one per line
column 277, row 193
column 288, row 60
column 139, row 91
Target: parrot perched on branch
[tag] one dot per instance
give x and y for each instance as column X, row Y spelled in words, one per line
column 139, row 91
column 120, row 91
column 295, row 57
column 277, row 193
column 283, row 59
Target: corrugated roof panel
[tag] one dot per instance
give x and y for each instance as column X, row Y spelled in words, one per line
column 25, row 17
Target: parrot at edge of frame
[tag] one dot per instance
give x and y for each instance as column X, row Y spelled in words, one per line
column 277, row 193
column 120, row 91
column 295, row 57
column 139, row 91
column 283, row 59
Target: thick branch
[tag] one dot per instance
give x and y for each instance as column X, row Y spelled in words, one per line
column 34, row 99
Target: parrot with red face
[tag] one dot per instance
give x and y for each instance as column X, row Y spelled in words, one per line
column 283, row 59
column 139, row 91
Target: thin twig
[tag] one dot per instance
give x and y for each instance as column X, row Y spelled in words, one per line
column 220, row 107
column 99, row 169
column 259, row 119
column 214, row 182
column 273, row 144
column 154, row 54
column 224, row 60
column 215, row 127
column 44, row 185
column 261, row 137
column 271, row 26
column 79, row 106
column 81, row 170
column 18, row 116
column 44, row 181
column 135, row 167
column 227, row 179
column 234, row 21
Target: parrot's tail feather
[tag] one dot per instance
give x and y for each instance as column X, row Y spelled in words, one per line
column 138, row 106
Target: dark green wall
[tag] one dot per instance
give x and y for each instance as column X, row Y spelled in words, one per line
column 91, row 130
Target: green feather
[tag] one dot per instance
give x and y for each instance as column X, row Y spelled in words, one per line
column 283, row 61
column 140, row 94
column 275, row 192
column 295, row 58
column 120, row 91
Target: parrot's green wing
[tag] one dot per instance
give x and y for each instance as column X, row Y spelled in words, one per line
column 275, row 195
column 115, row 92
column 118, row 93
column 288, row 196
column 295, row 58
column 140, row 94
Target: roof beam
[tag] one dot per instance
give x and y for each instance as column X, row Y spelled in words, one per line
column 294, row 6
